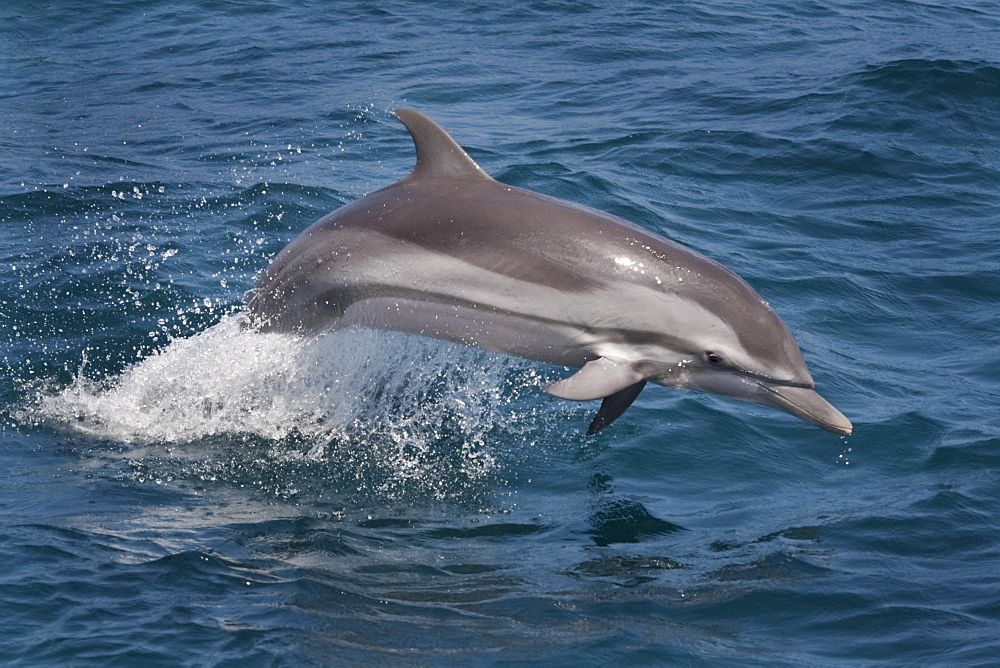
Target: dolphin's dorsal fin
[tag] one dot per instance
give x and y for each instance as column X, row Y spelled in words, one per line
column 438, row 155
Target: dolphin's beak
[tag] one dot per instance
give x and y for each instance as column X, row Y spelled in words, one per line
column 806, row 405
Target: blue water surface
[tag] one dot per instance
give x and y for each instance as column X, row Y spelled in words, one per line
column 176, row 491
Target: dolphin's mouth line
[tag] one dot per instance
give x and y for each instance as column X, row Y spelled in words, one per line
column 819, row 419
column 763, row 380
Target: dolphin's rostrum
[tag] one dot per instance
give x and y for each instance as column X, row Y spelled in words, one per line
column 450, row 253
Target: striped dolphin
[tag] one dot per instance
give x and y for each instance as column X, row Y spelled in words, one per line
column 448, row 252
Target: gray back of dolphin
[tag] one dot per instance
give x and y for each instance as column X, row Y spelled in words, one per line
column 448, row 252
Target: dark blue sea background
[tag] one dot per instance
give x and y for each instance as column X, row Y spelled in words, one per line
column 176, row 491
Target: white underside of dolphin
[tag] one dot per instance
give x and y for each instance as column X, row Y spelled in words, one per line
column 450, row 253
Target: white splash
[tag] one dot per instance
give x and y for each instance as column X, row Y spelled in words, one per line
column 225, row 380
column 360, row 397
column 222, row 380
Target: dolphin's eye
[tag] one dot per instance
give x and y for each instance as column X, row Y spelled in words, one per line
column 713, row 358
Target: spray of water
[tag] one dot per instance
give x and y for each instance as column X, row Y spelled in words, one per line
column 359, row 408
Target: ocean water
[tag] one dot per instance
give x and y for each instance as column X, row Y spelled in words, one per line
column 176, row 491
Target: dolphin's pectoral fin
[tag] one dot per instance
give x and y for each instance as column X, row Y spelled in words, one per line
column 595, row 380
column 618, row 383
column 614, row 405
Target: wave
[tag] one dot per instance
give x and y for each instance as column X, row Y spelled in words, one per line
column 925, row 80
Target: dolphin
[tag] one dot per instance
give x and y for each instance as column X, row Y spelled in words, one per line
column 450, row 253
